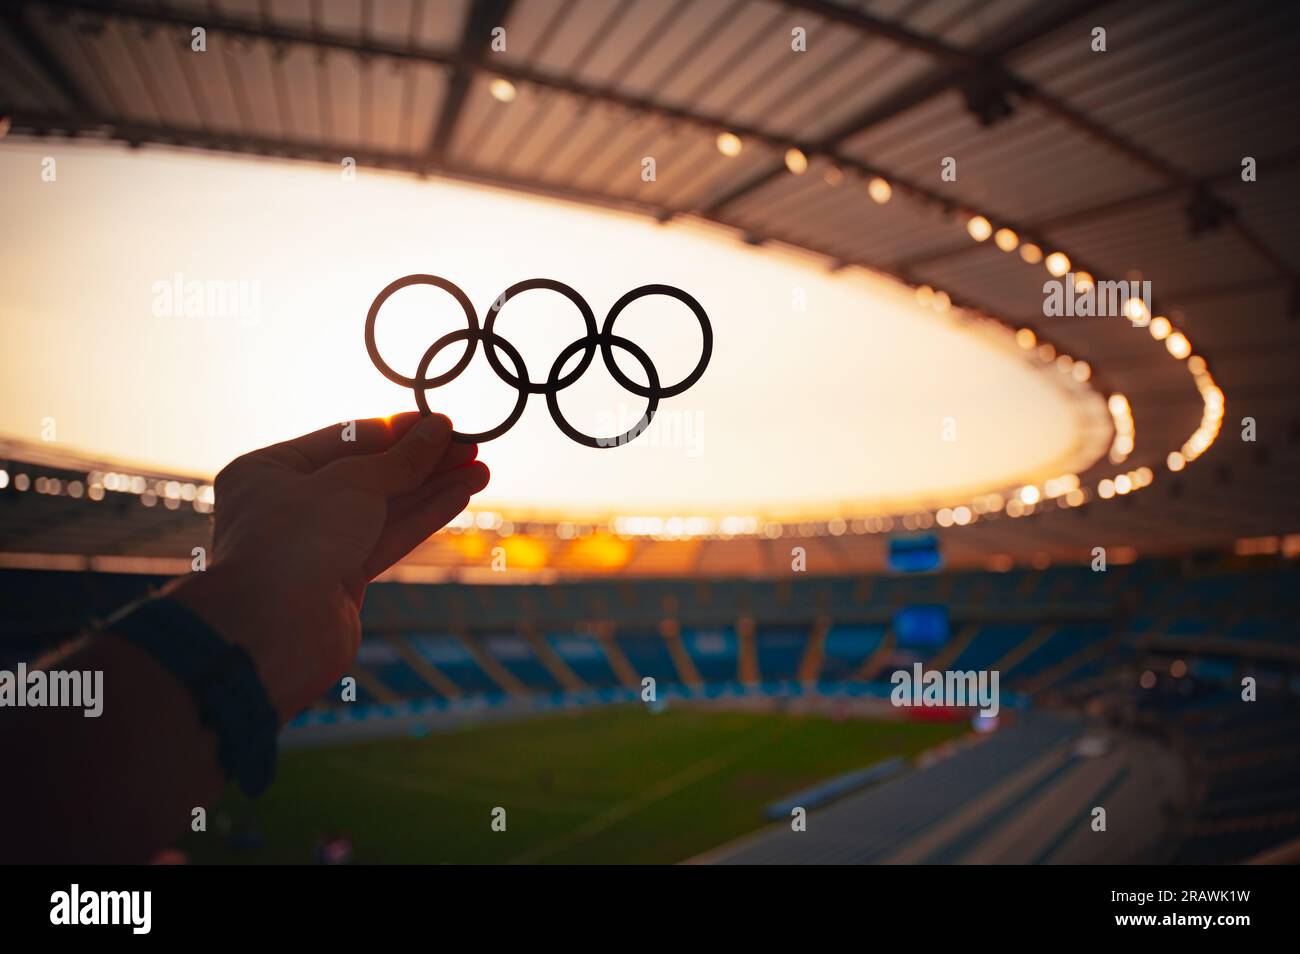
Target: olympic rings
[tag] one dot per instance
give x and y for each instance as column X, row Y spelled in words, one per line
column 605, row 340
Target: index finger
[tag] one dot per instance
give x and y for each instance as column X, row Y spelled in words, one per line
column 367, row 436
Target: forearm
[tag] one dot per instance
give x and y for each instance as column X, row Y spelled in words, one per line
column 123, row 785
column 118, row 787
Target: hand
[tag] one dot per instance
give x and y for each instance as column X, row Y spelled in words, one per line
column 301, row 527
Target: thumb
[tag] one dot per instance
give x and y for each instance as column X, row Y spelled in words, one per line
column 401, row 468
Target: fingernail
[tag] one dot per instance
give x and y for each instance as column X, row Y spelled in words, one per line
column 433, row 428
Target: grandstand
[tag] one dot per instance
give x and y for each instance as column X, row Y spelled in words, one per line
column 824, row 630
column 1076, row 641
column 660, row 658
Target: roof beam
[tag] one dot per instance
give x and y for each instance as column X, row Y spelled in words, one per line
column 1090, row 127
column 1101, row 210
column 919, row 92
column 255, row 28
column 890, row 30
column 475, row 39
column 992, row 62
column 15, row 20
column 465, row 60
column 312, row 150
column 457, row 60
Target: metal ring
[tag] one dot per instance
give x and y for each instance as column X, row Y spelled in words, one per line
column 553, row 399
column 423, row 404
column 590, row 341
column 470, row 317
column 705, row 328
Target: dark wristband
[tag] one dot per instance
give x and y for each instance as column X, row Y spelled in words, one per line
column 223, row 680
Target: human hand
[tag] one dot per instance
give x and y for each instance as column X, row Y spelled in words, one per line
column 302, row 526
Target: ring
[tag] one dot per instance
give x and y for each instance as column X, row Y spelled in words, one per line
column 605, row 340
column 553, row 401
column 470, row 317
column 589, row 342
column 422, row 384
column 705, row 352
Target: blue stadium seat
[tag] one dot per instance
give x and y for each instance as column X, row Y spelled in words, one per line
column 842, row 591
column 517, row 656
column 1065, row 640
column 991, row 643
column 1084, row 672
column 847, row 648
column 392, row 670
column 1265, row 627
column 715, row 652
column 780, row 649
column 1188, row 626
column 969, row 589
column 450, row 657
column 1195, row 601
column 1212, row 670
column 648, row 655
column 585, row 656
column 1143, row 624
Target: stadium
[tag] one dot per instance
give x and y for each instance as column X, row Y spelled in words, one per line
column 992, row 397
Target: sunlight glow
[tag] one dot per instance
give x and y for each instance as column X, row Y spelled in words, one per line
column 824, row 396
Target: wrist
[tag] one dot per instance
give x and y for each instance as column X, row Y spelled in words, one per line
column 248, row 614
column 221, row 679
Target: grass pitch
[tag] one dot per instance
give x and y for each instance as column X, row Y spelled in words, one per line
column 619, row 785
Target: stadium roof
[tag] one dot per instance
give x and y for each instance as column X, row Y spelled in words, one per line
column 1129, row 161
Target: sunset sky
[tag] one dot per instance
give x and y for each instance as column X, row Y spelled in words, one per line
column 796, row 416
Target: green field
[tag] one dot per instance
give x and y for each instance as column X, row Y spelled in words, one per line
column 607, row 785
